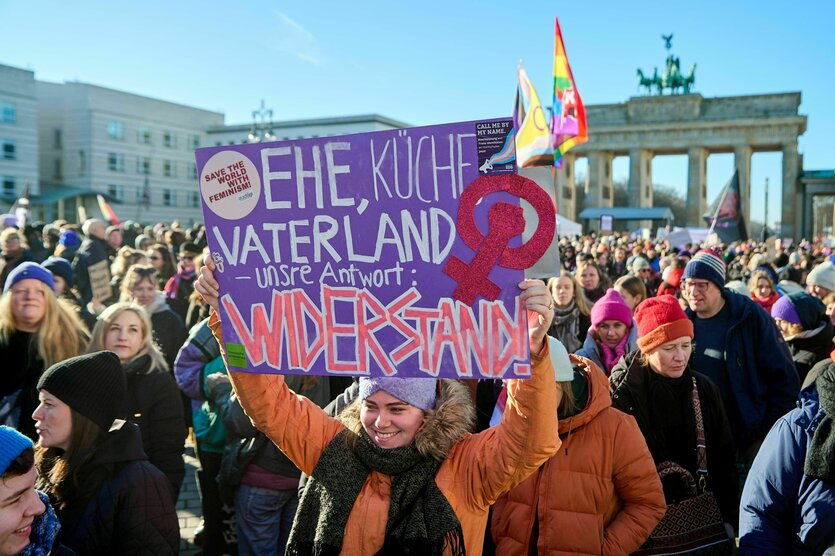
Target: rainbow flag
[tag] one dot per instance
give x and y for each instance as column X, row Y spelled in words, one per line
column 568, row 120
column 107, row 212
column 533, row 138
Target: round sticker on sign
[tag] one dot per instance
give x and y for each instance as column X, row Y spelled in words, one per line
column 230, row 185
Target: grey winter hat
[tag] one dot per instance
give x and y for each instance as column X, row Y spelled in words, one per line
column 823, row 275
column 419, row 392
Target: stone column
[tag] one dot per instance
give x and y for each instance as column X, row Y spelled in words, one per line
column 566, row 188
column 600, row 192
column 696, row 186
column 792, row 223
column 639, row 189
column 742, row 163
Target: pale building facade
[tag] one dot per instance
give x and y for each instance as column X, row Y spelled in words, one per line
column 303, row 129
column 135, row 150
column 18, row 134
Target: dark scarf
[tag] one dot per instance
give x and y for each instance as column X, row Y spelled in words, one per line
column 820, row 459
column 566, row 326
column 420, row 519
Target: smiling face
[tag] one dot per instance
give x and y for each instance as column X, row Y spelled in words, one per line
column 611, row 332
column 29, row 303
column 125, row 335
column 19, row 506
column 389, row 421
column 53, row 421
column 671, row 359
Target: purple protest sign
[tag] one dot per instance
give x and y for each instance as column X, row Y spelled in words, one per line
column 331, row 253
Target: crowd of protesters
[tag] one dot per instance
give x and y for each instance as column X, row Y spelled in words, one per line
column 718, row 361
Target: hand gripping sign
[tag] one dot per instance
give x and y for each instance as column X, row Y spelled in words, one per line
column 506, row 221
column 362, row 255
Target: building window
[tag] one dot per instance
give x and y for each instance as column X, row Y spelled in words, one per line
column 192, row 170
column 56, row 138
column 9, row 188
column 194, row 199
column 82, row 163
column 115, row 130
column 169, row 198
column 194, row 141
column 116, row 162
column 143, row 165
column 116, row 191
column 59, row 170
column 169, row 139
column 169, row 168
column 8, row 113
column 9, row 149
column 143, row 135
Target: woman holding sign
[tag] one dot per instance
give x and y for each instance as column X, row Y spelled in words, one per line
column 404, row 450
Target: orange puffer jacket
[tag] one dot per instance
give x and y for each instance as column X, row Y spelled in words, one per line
column 600, row 494
column 477, row 469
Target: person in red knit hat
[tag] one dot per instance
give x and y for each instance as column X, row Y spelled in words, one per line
column 611, row 334
column 656, row 385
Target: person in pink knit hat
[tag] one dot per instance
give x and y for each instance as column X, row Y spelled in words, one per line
column 612, row 334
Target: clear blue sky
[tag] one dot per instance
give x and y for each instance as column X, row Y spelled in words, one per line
column 434, row 61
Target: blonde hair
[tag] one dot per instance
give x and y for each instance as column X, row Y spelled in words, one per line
column 8, row 232
column 126, row 257
column 134, row 276
column 579, row 295
column 61, row 334
column 755, row 277
column 148, row 347
column 634, row 285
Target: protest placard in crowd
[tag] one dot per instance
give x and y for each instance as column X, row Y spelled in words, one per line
column 394, row 252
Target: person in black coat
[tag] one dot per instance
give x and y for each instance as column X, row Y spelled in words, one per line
column 93, row 251
column 655, row 385
column 168, row 329
column 807, row 330
column 108, row 497
column 153, row 398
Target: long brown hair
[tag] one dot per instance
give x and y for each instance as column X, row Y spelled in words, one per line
column 604, row 283
column 579, row 295
column 61, row 473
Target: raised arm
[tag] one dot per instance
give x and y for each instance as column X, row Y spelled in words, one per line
column 494, row 461
column 298, row 426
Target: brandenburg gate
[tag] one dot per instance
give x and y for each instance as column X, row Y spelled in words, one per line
column 690, row 124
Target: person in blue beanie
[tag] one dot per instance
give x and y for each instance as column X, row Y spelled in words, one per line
column 27, row 523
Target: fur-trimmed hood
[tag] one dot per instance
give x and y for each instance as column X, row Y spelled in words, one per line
column 452, row 419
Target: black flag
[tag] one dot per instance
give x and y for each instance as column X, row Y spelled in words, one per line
column 725, row 215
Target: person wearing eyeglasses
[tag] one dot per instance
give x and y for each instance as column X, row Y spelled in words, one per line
column 738, row 346
column 179, row 287
column 163, row 261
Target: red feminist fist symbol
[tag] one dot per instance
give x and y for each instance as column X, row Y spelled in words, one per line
column 505, row 221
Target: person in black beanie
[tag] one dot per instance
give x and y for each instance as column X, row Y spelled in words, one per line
column 108, row 497
column 788, row 504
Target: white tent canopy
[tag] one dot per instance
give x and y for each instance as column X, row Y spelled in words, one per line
column 566, row 227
